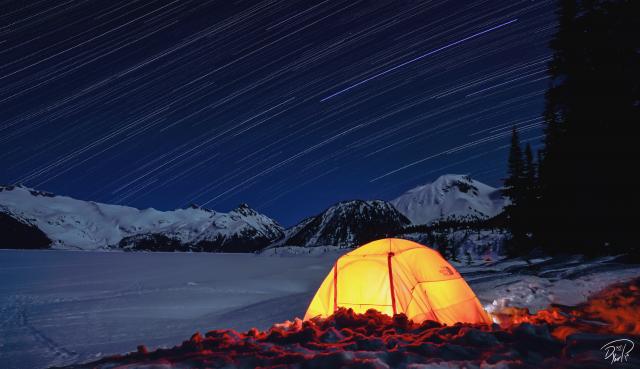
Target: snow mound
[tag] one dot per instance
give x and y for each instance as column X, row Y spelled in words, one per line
column 559, row 337
column 451, row 196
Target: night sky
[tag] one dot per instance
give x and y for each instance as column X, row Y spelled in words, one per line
column 289, row 106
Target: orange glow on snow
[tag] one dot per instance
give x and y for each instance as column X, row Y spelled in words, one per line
column 616, row 308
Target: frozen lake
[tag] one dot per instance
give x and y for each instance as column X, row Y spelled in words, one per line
column 63, row 307
column 60, row 307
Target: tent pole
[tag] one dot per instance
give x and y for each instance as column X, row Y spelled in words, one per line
column 335, row 286
column 393, row 293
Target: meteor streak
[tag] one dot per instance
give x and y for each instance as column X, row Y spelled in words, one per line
column 418, row 58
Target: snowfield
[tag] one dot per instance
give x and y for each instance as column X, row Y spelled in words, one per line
column 64, row 307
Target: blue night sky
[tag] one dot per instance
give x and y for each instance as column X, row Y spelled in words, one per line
column 289, row 106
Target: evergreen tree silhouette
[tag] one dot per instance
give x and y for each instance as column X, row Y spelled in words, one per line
column 529, row 175
column 515, row 190
column 515, row 170
column 592, row 106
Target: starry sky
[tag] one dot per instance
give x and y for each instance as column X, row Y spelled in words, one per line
column 289, row 106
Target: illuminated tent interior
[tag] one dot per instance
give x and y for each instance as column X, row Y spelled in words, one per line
column 397, row 276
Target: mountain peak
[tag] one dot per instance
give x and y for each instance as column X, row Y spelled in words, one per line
column 450, row 196
column 245, row 210
column 22, row 187
column 348, row 223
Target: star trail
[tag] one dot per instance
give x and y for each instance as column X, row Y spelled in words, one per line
column 289, row 106
column 418, row 58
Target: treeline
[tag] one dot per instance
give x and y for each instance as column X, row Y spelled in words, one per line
column 447, row 235
column 580, row 193
column 455, row 224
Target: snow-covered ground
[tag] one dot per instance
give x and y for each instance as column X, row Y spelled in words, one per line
column 63, row 307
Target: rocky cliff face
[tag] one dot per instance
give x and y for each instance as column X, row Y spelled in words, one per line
column 348, row 223
column 20, row 234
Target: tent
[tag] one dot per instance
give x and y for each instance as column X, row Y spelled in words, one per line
column 397, row 276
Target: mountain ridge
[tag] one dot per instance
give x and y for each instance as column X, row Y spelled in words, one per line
column 347, row 223
column 77, row 224
column 41, row 219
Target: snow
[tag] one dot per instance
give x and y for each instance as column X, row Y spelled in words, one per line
column 63, row 307
column 74, row 305
column 566, row 283
column 87, row 225
column 280, row 250
column 450, row 196
column 347, row 223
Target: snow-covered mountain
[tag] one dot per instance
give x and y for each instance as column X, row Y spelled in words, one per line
column 36, row 219
column 348, row 223
column 451, row 196
column 75, row 224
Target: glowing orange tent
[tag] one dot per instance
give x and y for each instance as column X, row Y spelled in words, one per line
column 397, row 276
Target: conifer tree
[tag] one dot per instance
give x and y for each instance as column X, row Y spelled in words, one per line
column 591, row 107
column 514, row 189
column 515, row 169
column 529, row 174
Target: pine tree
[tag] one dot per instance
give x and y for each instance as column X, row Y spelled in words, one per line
column 515, row 169
column 529, row 176
column 514, row 189
column 591, row 107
